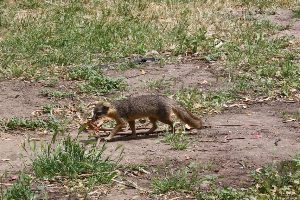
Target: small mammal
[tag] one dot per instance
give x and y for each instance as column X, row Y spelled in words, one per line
column 155, row 107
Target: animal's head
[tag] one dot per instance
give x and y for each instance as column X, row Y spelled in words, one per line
column 100, row 110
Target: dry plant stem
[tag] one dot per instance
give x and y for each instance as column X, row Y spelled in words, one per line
column 140, row 132
column 131, row 184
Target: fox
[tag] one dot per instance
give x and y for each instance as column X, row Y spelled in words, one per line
column 152, row 106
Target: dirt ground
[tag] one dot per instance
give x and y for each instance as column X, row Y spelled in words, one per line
column 240, row 140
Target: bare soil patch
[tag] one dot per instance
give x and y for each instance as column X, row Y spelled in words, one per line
column 171, row 77
column 19, row 99
column 285, row 18
column 239, row 141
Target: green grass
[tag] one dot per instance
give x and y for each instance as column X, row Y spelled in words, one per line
column 95, row 81
column 52, row 82
column 250, row 66
column 21, row 189
column 174, row 181
column 78, row 167
column 43, row 39
column 296, row 13
column 56, row 94
column 74, row 160
column 278, row 181
column 52, row 124
column 199, row 101
column 159, row 84
column 177, row 140
column 222, row 194
column 75, row 33
column 294, row 116
column 102, row 85
column 48, row 108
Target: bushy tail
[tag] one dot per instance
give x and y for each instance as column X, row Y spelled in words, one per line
column 187, row 117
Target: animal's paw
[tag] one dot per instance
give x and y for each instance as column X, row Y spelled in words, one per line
column 107, row 139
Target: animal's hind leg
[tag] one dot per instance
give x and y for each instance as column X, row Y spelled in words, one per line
column 154, row 125
column 132, row 127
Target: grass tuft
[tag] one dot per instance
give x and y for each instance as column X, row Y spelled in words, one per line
column 280, row 181
column 199, row 101
column 95, row 81
column 21, row 189
column 177, row 140
column 102, row 85
column 52, row 124
column 296, row 13
column 75, row 161
column 56, row 94
column 175, row 181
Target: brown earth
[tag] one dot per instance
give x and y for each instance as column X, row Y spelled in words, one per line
column 239, row 141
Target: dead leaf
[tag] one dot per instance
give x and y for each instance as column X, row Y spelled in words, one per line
column 291, row 120
column 5, row 159
column 204, row 82
column 37, row 113
column 143, row 72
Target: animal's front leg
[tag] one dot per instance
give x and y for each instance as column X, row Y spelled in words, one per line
column 118, row 127
column 132, row 127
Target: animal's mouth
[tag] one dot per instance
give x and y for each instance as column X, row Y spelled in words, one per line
column 95, row 118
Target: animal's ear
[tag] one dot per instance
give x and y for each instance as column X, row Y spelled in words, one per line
column 92, row 105
column 106, row 106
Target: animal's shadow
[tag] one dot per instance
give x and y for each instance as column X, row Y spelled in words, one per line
column 121, row 137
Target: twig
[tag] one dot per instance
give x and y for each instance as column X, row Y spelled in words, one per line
column 146, row 172
column 131, row 185
column 138, row 132
column 236, row 138
column 98, row 141
column 207, row 141
column 230, row 125
column 6, row 184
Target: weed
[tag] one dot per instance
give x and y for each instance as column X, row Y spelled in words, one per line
column 134, row 169
column 56, row 94
column 52, row 124
column 102, row 85
column 21, row 189
column 296, row 13
column 95, row 81
column 51, row 82
column 293, row 116
column 175, row 181
column 159, row 84
column 280, row 181
column 15, row 123
column 53, row 36
column 221, row 194
column 48, row 108
column 83, row 73
column 127, row 65
column 196, row 100
column 177, row 140
column 72, row 159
